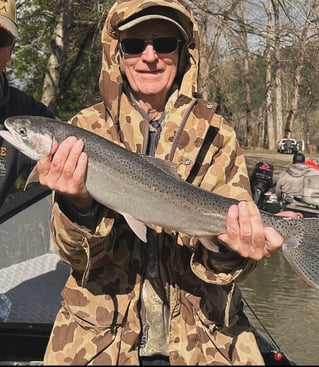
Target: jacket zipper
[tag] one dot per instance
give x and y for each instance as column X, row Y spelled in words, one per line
column 181, row 127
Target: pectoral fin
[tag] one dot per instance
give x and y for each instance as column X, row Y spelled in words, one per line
column 33, row 177
column 138, row 227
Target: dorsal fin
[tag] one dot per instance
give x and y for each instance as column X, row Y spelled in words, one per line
column 167, row 166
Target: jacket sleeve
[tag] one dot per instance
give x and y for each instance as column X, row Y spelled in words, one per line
column 227, row 176
column 81, row 247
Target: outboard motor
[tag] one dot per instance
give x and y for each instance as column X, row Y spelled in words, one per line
column 261, row 180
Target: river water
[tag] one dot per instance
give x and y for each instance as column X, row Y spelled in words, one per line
column 287, row 306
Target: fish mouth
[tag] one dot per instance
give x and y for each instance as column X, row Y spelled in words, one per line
column 10, row 138
column 36, row 147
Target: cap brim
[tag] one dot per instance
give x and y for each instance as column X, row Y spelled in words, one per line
column 8, row 25
column 144, row 18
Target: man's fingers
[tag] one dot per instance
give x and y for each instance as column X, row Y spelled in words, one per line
column 245, row 230
column 71, row 161
column 244, row 224
column 80, row 170
column 61, row 170
column 61, row 155
column 257, row 231
column 44, row 165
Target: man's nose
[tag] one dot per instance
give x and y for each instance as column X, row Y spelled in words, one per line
column 149, row 54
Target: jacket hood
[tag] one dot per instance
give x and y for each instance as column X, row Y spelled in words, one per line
column 111, row 77
column 298, row 170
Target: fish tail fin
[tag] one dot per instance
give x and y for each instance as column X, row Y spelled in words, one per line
column 301, row 249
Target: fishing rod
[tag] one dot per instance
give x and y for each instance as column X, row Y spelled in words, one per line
column 278, row 356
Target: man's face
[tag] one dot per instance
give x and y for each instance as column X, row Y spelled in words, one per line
column 6, row 47
column 151, row 72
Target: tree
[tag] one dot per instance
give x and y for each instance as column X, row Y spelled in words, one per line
column 301, row 47
column 269, row 104
column 258, row 69
column 58, row 56
column 278, row 74
column 228, row 80
column 57, row 60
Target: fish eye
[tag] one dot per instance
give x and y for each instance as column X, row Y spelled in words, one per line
column 22, row 131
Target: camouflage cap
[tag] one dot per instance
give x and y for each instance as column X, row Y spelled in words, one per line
column 8, row 16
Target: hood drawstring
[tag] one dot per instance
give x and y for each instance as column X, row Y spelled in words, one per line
column 154, row 126
column 117, row 117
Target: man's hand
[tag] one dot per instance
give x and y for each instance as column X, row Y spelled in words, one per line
column 246, row 233
column 64, row 171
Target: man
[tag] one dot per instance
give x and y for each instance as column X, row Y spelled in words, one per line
column 13, row 102
column 290, row 182
column 172, row 300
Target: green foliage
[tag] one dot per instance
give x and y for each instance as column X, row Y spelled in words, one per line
column 80, row 72
column 228, row 87
column 29, row 61
column 80, row 82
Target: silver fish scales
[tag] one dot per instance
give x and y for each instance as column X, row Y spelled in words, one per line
column 133, row 185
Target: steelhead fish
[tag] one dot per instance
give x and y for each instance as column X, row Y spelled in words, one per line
column 145, row 190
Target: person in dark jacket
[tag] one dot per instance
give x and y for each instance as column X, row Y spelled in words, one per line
column 13, row 102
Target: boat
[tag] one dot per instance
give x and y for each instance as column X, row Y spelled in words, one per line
column 32, row 277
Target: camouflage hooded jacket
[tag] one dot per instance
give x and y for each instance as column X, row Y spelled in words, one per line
column 101, row 319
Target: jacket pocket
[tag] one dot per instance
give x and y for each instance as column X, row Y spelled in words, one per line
column 97, row 312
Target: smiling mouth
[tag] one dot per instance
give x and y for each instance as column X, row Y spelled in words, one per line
column 150, row 71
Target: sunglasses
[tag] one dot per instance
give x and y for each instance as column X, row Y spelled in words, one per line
column 6, row 39
column 161, row 45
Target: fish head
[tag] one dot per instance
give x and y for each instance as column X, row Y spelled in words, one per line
column 33, row 140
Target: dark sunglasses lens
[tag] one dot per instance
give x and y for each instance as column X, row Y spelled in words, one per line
column 165, row 45
column 6, row 39
column 133, row 46
column 162, row 45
